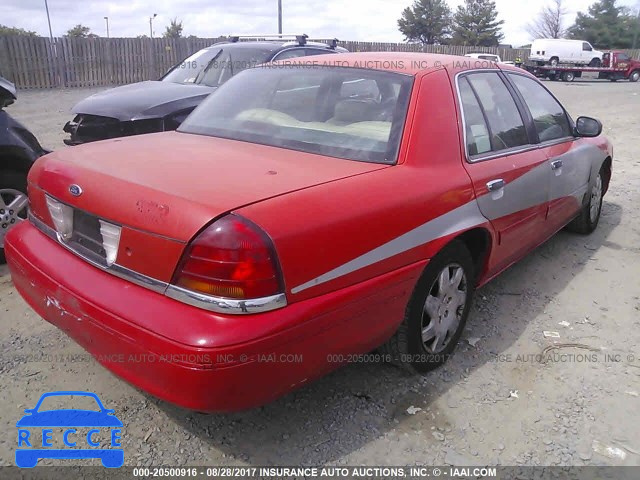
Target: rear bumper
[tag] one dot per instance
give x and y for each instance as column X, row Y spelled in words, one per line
column 198, row 359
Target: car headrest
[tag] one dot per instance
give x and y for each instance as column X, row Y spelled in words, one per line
column 350, row 111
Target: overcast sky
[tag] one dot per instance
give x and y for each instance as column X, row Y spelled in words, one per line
column 365, row 20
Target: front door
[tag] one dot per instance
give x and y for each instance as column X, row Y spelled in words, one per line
column 510, row 174
column 569, row 157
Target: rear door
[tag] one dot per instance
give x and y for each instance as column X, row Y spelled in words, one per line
column 510, row 174
column 568, row 156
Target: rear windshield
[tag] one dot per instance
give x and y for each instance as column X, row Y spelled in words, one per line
column 214, row 66
column 347, row 113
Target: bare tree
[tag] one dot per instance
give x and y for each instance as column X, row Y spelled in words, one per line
column 548, row 23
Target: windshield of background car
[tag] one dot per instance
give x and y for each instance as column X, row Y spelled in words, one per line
column 187, row 71
column 214, row 66
column 347, row 113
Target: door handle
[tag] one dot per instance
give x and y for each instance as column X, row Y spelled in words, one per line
column 556, row 164
column 495, row 185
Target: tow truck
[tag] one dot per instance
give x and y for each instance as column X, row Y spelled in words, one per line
column 616, row 65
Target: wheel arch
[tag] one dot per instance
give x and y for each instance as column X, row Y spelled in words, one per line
column 478, row 241
column 14, row 159
column 606, row 169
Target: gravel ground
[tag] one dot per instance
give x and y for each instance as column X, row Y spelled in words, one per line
column 493, row 403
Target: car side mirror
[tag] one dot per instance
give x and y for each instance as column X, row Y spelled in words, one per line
column 588, row 127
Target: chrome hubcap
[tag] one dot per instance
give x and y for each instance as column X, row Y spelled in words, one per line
column 443, row 308
column 596, row 198
column 13, row 210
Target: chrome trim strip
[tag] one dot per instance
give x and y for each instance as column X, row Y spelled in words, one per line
column 226, row 305
column 206, row 302
column 114, row 269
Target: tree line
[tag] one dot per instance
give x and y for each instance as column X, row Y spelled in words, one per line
column 173, row 30
column 605, row 25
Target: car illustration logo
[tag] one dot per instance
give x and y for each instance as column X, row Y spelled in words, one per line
column 83, row 433
column 75, row 190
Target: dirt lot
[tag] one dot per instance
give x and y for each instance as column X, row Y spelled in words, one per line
column 493, row 403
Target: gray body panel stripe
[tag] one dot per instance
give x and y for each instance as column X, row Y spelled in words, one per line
column 537, row 186
column 461, row 218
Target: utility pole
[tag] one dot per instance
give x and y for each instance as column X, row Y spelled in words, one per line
column 151, row 25
column 46, row 6
column 635, row 34
column 107, row 19
column 280, row 16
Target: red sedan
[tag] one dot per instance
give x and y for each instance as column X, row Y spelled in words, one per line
column 304, row 213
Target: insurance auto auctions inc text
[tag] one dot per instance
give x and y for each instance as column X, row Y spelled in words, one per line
column 363, row 472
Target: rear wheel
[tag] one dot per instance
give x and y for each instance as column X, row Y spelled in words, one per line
column 595, row 62
column 587, row 220
column 554, row 61
column 635, row 76
column 437, row 311
column 568, row 76
column 13, row 204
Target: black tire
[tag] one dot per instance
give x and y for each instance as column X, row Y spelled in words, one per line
column 554, row 61
column 595, row 62
column 9, row 180
column 568, row 76
column 585, row 222
column 406, row 346
column 635, row 76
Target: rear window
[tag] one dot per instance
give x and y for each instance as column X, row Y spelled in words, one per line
column 347, row 113
column 214, row 66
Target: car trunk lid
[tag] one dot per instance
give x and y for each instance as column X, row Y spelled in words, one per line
column 164, row 188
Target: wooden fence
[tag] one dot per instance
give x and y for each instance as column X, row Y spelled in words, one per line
column 35, row 62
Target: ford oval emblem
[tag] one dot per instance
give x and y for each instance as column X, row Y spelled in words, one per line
column 75, row 190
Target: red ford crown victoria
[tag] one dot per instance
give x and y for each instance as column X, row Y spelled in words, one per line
column 302, row 213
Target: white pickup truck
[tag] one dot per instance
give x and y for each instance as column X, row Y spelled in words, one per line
column 489, row 57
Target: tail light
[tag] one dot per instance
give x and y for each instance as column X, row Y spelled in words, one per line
column 232, row 258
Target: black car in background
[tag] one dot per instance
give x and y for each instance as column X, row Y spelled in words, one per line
column 19, row 148
column 156, row 106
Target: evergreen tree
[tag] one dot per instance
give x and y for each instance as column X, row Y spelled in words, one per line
column 476, row 23
column 427, row 21
column 174, row 30
column 606, row 25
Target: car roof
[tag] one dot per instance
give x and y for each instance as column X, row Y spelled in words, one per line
column 264, row 46
column 269, row 46
column 409, row 63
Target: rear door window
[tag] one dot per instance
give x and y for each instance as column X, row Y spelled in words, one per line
column 505, row 124
column 476, row 131
column 291, row 53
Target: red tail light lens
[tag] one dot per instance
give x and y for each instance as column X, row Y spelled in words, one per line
column 232, row 258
